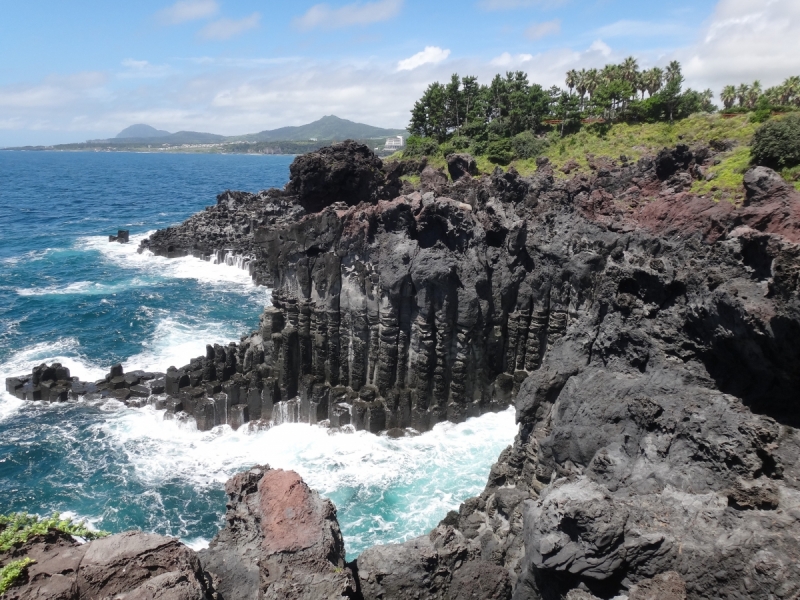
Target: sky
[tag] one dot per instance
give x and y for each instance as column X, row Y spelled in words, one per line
column 72, row 70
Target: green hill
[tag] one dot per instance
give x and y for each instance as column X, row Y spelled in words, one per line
column 326, row 128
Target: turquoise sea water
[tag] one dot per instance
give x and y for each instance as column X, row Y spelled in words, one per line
column 66, row 294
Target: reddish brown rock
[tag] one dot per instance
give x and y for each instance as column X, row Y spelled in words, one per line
column 281, row 540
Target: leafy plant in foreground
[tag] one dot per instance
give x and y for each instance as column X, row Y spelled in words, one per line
column 11, row 572
column 16, row 528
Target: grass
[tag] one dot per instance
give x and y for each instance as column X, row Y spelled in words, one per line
column 637, row 140
column 18, row 527
column 412, row 179
column 12, row 572
column 729, row 175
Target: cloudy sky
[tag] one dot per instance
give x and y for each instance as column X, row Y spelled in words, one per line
column 84, row 69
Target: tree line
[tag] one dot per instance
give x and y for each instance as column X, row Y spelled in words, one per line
column 752, row 96
column 464, row 110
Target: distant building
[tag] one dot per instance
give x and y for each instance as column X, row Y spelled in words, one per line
column 394, row 143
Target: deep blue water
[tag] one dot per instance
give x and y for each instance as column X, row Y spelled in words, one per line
column 67, row 294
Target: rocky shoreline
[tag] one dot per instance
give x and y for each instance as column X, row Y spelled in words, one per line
column 647, row 337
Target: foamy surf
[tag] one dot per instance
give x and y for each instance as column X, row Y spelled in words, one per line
column 387, row 490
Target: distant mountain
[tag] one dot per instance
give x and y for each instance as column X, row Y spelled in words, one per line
column 142, row 131
column 327, row 128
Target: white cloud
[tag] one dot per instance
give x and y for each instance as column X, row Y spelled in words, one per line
column 629, row 28
column 507, row 60
column 187, row 10
column 743, row 41
column 142, row 69
column 600, row 47
column 430, row 56
column 513, row 4
column 323, row 16
column 539, row 30
column 224, row 29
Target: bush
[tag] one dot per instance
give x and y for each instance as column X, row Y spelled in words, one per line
column 454, row 145
column 500, row 152
column 18, row 527
column 12, row 572
column 420, row 146
column 527, row 145
column 776, row 144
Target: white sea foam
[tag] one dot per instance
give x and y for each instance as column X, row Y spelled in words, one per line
column 188, row 267
column 83, row 288
column 65, row 351
column 175, row 342
column 426, row 475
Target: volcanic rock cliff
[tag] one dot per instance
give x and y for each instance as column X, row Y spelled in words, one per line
column 647, row 337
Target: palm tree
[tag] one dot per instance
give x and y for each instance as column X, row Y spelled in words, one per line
column 655, row 80
column 571, row 80
column 629, row 69
column 728, row 96
column 592, row 81
column 742, row 93
column 754, row 94
column 580, row 85
column 673, row 71
column 791, row 90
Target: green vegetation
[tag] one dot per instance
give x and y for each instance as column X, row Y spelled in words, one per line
column 746, row 98
column 614, row 112
column 513, row 119
column 16, row 528
column 12, row 572
column 776, row 144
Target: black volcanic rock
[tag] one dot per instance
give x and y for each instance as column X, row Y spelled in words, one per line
column 348, row 172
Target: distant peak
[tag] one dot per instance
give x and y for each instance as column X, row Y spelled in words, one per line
column 141, row 130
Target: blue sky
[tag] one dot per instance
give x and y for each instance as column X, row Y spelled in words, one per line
column 86, row 69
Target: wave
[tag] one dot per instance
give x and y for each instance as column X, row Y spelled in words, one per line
column 65, row 351
column 83, row 288
column 187, row 267
column 387, row 490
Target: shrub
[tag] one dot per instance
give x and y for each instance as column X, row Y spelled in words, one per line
column 454, row 145
column 776, row 144
column 527, row 145
column 420, row 146
column 11, row 572
column 18, row 527
column 500, row 152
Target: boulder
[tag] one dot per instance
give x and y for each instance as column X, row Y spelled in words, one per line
column 762, row 183
column 461, row 165
column 348, row 172
column 280, row 541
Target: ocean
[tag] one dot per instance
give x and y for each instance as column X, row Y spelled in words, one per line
column 68, row 295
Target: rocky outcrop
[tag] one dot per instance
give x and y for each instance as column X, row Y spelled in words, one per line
column 129, row 566
column 647, row 337
column 280, row 541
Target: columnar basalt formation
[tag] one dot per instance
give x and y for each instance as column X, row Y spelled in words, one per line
column 647, row 338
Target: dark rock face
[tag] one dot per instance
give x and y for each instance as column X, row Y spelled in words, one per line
column 281, row 541
column 647, row 337
column 461, row 165
column 348, row 172
column 130, row 566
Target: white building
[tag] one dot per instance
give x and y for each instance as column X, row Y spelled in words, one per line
column 394, row 143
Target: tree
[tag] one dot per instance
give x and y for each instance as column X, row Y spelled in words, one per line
column 671, row 94
column 571, row 80
column 753, row 94
column 728, row 96
column 629, row 70
column 453, row 99
column 742, row 93
column 776, row 144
